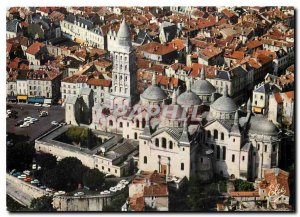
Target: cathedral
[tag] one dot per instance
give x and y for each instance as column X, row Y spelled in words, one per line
column 190, row 134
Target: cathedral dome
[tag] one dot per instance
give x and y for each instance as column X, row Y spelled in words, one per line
column 202, row 86
column 188, row 98
column 262, row 126
column 224, row 103
column 154, row 93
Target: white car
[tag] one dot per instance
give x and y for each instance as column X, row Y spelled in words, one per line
column 49, row 190
column 34, row 166
column 24, row 125
column 59, row 193
column 106, row 192
column 46, row 105
column 79, row 194
column 118, row 188
column 35, row 181
column 122, row 181
column 113, row 189
column 27, row 119
column 55, row 123
column 37, row 104
column 8, row 112
column 22, row 177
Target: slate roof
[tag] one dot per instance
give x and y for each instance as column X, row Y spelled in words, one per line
column 12, row 25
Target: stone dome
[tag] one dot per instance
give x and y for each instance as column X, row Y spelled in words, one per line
column 154, row 93
column 188, row 98
column 262, row 126
column 224, row 103
column 203, row 87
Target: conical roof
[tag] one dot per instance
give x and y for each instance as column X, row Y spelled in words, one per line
column 124, row 31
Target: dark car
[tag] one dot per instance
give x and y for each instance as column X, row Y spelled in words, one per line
column 19, row 123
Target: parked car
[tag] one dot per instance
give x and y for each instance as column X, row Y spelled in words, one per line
column 24, row 125
column 79, row 194
column 37, row 104
column 113, row 189
column 16, row 174
column 8, row 111
column 106, row 192
column 34, row 166
column 49, row 190
column 35, row 181
column 23, row 176
column 43, row 114
column 59, row 193
column 28, row 179
column 43, row 187
column 55, row 123
column 46, row 105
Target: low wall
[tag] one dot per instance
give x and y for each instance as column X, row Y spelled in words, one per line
column 21, row 191
column 86, row 203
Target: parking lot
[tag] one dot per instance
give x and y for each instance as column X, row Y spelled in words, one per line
column 55, row 113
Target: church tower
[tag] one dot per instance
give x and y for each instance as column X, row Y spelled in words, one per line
column 124, row 80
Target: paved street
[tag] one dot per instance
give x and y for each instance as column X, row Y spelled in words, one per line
column 56, row 113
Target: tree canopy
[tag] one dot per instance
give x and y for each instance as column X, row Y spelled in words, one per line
column 93, row 179
column 241, row 185
column 19, row 156
column 45, row 160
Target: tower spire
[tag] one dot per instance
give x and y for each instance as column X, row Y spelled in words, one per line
column 184, row 138
column 236, row 118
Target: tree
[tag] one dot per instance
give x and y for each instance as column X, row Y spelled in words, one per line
column 73, row 170
column 93, row 179
column 19, row 156
column 42, row 204
column 55, row 178
column 241, row 185
column 47, row 161
column 116, row 203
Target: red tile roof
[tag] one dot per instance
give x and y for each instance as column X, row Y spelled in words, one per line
column 156, row 190
column 244, row 194
column 253, row 44
column 99, row 82
column 34, row 48
column 157, row 48
column 278, row 98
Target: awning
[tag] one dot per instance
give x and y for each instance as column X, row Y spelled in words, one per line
column 35, row 100
column 48, row 101
column 256, row 109
column 11, row 98
column 20, row 97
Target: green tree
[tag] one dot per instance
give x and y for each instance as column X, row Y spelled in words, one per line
column 73, row 171
column 47, row 161
column 116, row 203
column 241, row 185
column 55, row 178
column 19, row 156
column 42, row 204
column 93, row 179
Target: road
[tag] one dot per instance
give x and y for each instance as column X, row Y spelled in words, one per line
column 56, row 113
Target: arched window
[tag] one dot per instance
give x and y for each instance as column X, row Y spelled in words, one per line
column 145, row 159
column 224, row 153
column 157, row 142
column 208, row 134
column 182, row 166
column 121, row 124
column 222, row 136
column 215, row 134
column 110, row 123
column 135, row 136
column 218, row 152
column 137, row 123
column 170, row 145
column 143, row 123
column 164, row 143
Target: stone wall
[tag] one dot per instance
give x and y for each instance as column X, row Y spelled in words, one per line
column 85, row 203
column 21, row 191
